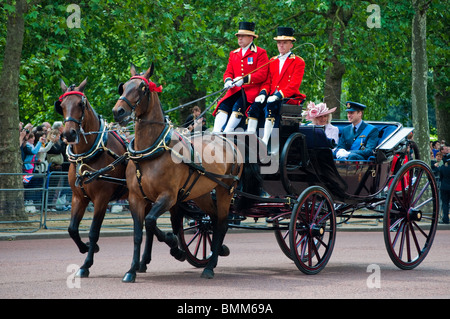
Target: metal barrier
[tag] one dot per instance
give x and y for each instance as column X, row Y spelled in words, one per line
column 44, row 202
column 21, row 208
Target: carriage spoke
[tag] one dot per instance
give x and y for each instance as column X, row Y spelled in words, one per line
column 421, row 193
column 416, row 242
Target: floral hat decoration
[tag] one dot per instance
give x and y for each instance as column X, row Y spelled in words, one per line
column 313, row 110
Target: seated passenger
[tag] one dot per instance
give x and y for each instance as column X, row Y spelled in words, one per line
column 359, row 139
column 320, row 115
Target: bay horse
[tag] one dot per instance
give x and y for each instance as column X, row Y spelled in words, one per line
column 89, row 153
column 157, row 182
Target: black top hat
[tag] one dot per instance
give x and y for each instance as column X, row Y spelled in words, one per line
column 285, row 33
column 247, row 28
column 353, row 106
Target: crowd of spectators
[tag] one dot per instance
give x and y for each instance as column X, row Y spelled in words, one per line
column 42, row 147
column 440, row 161
column 43, row 150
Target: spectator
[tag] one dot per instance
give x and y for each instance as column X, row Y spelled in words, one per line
column 435, row 164
column 436, row 145
column 55, row 156
column 47, row 127
column 42, row 154
column 444, row 173
column 414, row 149
column 192, row 121
column 30, row 151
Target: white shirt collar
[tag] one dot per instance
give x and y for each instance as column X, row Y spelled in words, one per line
column 284, row 56
column 244, row 50
column 282, row 59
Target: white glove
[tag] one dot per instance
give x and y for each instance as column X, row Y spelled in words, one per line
column 260, row 98
column 238, row 81
column 272, row 98
column 228, row 84
column 342, row 153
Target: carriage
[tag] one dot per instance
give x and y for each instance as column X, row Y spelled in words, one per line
column 301, row 195
column 311, row 193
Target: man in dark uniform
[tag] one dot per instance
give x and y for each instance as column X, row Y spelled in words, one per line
column 444, row 173
column 242, row 86
column 359, row 139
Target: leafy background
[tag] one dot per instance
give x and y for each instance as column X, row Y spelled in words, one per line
column 189, row 42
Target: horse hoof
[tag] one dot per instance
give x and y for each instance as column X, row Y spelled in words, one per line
column 84, row 249
column 129, row 278
column 82, row 273
column 96, row 247
column 207, row 274
column 142, row 268
column 171, row 240
column 225, row 251
column 179, row 254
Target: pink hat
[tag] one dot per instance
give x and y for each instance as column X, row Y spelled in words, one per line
column 313, row 110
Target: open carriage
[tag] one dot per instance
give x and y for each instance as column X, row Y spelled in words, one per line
column 310, row 193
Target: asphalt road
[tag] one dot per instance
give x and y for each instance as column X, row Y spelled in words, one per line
column 256, row 269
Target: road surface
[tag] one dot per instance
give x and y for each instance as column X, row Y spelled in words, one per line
column 256, row 269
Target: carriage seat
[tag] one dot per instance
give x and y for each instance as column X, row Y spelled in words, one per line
column 291, row 115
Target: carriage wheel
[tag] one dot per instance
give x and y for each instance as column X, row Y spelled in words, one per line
column 411, row 215
column 195, row 235
column 312, row 230
column 282, row 235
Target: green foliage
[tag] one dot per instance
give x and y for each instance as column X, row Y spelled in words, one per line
column 189, row 43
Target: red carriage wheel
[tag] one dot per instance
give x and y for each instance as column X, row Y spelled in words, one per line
column 411, row 215
column 282, row 234
column 312, row 230
column 195, row 236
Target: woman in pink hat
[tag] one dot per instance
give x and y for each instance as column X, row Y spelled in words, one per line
column 320, row 115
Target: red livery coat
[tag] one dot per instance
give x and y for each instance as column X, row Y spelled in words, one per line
column 288, row 81
column 239, row 65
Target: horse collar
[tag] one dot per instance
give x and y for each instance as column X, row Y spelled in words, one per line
column 156, row 149
column 97, row 147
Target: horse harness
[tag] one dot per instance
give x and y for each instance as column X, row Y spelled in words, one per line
column 83, row 170
column 161, row 145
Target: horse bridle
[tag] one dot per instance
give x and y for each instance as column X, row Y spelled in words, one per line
column 83, row 107
column 146, row 86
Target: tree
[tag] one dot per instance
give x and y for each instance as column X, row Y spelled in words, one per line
column 11, row 205
column 420, row 77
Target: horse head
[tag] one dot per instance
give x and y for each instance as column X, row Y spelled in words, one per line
column 133, row 92
column 72, row 106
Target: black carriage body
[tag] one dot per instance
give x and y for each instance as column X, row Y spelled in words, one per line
column 308, row 189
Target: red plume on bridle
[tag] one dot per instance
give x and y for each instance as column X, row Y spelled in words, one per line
column 151, row 85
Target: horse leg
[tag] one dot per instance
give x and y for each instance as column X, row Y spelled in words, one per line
column 161, row 205
column 147, row 255
column 77, row 213
column 175, row 219
column 94, row 234
column 137, row 212
column 220, row 227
